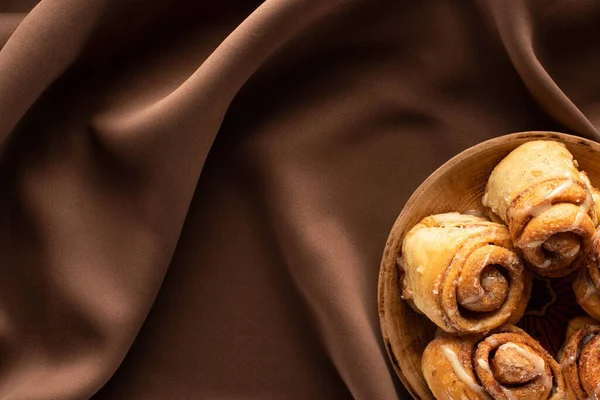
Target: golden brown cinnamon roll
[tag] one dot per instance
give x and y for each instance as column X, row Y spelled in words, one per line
column 586, row 284
column 580, row 357
column 505, row 364
column 461, row 272
column 547, row 203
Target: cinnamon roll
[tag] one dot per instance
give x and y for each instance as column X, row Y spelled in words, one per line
column 586, row 284
column 547, row 203
column 506, row 364
column 462, row 273
column 579, row 359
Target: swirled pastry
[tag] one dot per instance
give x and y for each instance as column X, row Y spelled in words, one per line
column 579, row 359
column 505, row 364
column 547, row 203
column 462, row 273
column 586, row 284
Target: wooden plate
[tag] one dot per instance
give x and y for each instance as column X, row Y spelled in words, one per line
column 456, row 186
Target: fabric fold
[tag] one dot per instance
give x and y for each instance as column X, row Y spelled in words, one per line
column 195, row 196
column 514, row 22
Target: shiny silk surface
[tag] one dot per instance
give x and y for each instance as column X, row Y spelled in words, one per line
column 195, row 195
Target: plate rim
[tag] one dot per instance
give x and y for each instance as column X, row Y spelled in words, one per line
column 393, row 242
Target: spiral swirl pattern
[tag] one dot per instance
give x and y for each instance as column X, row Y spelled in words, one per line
column 552, row 223
column 461, row 271
column 579, row 362
column 505, row 364
column 586, row 284
column 511, row 364
column 483, row 284
column 547, row 204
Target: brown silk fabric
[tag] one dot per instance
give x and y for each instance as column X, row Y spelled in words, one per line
column 195, row 196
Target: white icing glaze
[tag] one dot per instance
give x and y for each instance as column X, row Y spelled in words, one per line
column 532, row 244
column 486, row 259
column 583, row 209
column 461, row 373
column 540, row 208
column 537, row 362
column 475, row 298
column 488, row 280
column 484, row 364
column 590, row 290
column 544, row 205
column 534, row 211
column 560, row 188
column 573, row 252
column 547, row 203
column 597, row 392
column 545, row 264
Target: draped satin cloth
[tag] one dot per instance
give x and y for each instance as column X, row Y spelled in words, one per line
column 195, row 196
